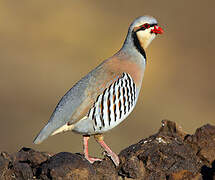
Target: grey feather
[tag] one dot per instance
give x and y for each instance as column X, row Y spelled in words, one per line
column 65, row 108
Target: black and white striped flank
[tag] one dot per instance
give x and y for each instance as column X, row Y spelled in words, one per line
column 114, row 104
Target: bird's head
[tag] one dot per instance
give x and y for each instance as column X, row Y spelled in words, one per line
column 143, row 30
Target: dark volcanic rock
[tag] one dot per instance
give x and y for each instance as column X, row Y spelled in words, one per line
column 66, row 165
column 169, row 154
column 105, row 170
column 160, row 155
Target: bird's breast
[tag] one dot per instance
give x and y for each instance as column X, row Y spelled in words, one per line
column 134, row 69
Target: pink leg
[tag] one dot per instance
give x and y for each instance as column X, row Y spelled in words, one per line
column 86, row 153
column 114, row 157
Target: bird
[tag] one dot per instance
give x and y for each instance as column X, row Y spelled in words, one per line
column 105, row 97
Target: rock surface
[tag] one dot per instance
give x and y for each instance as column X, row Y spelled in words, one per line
column 170, row 154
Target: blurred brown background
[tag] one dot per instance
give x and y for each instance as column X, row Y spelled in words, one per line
column 46, row 46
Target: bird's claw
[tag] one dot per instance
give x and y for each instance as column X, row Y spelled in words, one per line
column 113, row 157
column 92, row 159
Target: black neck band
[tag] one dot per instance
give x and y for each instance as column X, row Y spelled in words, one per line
column 137, row 45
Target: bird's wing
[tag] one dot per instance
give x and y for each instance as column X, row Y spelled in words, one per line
column 78, row 100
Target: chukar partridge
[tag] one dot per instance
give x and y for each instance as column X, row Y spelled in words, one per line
column 107, row 95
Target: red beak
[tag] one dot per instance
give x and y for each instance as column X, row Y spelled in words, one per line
column 157, row 30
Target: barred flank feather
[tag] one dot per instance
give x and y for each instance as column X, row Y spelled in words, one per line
column 114, row 104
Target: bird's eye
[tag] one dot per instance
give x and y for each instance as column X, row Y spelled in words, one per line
column 146, row 26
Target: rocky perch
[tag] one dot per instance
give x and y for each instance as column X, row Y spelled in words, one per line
column 169, row 154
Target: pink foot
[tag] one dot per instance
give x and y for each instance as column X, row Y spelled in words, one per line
column 109, row 152
column 86, row 153
column 114, row 158
column 92, row 159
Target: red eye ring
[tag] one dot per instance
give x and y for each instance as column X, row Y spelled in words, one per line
column 146, row 26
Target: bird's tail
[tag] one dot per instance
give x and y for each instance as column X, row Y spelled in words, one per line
column 46, row 131
column 43, row 134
